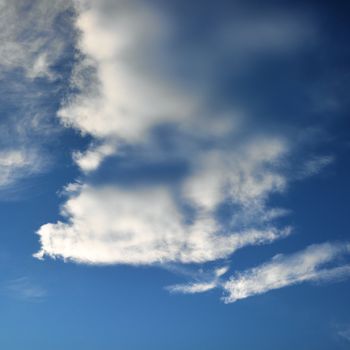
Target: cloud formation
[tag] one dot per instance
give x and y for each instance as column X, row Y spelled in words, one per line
column 137, row 89
column 34, row 39
column 123, row 99
column 309, row 265
column 121, row 102
column 14, row 163
column 33, row 51
column 318, row 263
column 202, row 285
column 112, row 225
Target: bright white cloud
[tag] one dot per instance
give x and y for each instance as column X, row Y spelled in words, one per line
column 111, row 225
column 285, row 270
column 125, row 97
column 92, row 158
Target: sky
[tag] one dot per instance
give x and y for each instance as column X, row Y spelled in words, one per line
column 174, row 175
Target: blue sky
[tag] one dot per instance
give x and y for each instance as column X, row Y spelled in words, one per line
column 174, row 174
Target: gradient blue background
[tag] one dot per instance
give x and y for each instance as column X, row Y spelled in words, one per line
column 122, row 307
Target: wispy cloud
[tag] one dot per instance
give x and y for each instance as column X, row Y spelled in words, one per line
column 203, row 284
column 344, row 332
column 24, row 289
column 192, row 288
column 36, row 51
column 15, row 164
column 309, row 265
column 319, row 263
column 33, row 43
column 314, row 165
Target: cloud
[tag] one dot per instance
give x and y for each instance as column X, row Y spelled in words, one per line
column 137, row 89
column 93, row 157
column 344, row 333
column 309, row 265
column 126, row 89
column 192, row 288
column 28, row 37
column 15, row 164
column 317, row 263
column 124, row 97
column 134, row 75
column 24, row 289
column 113, row 225
column 210, row 282
column 23, row 152
column 315, row 165
column 245, row 175
column 34, row 40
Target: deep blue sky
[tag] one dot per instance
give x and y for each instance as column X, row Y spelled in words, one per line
column 194, row 136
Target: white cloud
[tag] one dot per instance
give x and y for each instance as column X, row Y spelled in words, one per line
column 15, row 164
column 113, row 225
column 128, row 86
column 129, row 79
column 125, row 97
column 245, row 175
column 126, row 89
column 202, row 285
column 92, row 158
column 192, row 288
column 221, row 271
column 309, row 265
column 285, row 270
